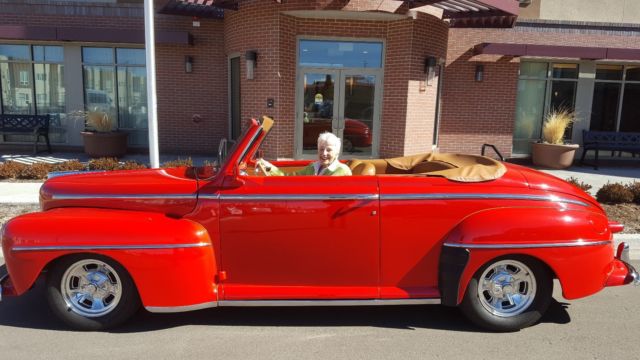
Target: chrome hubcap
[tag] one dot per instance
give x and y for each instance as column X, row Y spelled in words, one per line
column 91, row 288
column 507, row 288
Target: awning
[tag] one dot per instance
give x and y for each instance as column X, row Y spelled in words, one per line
column 557, row 51
column 89, row 34
column 460, row 13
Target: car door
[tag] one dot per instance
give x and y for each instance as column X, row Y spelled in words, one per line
column 300, row 237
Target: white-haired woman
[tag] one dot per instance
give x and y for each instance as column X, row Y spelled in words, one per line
column 327, row 164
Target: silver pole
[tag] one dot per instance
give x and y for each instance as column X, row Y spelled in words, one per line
column 152, row 99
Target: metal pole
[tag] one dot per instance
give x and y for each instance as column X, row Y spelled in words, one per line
column 152, row 99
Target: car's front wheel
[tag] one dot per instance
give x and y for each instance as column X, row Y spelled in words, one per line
column 508, row 294
column 91, row 292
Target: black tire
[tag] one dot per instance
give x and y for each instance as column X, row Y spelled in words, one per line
column 513, row 316
column 80, row 314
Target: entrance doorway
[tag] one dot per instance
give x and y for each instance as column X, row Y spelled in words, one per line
column 339, row 91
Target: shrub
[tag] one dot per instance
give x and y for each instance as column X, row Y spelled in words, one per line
column 132, row 165
column 614, row 194
column 582, row 185
column 104, row 164
column 178, row 163
column 35, row 171
column 11, row 169
column 634, row 187
column 71, row 165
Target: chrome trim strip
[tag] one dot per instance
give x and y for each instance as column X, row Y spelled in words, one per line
column 371, row 302
column 300, row 197
column 110, row 247
column 476, row 196
column 123, row 197
column 175, row 309
column 209, row 196
column 528, row 246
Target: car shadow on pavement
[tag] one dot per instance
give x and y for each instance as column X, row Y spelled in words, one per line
column 31, row 311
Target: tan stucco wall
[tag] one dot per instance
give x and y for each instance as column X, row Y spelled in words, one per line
column 615, row 11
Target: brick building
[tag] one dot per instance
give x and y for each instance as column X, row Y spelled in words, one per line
column 389, row 77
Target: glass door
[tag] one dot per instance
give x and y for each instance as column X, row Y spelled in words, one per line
column 319, row 108
column 342, row 102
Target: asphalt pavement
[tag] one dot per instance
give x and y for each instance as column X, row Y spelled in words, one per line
column 602, row 326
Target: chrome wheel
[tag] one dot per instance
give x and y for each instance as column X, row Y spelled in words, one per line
column 507, row 288
column 91, row 288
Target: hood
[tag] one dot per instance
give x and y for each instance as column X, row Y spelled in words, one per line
column 170, row 191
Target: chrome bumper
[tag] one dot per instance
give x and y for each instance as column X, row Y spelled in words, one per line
column 622, row 254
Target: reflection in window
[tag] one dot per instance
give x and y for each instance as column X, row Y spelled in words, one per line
column 330, row 53
column 126, row 102
column 615, row 98
column 33, row 85
column 542, row 87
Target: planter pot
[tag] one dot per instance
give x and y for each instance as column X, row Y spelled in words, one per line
column 111, row 144
column 553, row 156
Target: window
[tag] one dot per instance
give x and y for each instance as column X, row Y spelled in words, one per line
column 126, row 101
column 542, row 87
column 616, row 91
column 341, row 54
column 33, row 72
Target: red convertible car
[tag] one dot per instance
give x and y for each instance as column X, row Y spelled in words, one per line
column 457, row 230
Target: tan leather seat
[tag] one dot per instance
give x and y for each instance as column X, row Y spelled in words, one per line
column 364, row 168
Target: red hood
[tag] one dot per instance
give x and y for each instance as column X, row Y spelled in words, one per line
column 171, row 191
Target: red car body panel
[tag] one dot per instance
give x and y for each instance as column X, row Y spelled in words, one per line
column 312, row 238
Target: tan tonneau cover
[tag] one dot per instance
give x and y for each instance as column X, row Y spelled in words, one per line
column 457, row 167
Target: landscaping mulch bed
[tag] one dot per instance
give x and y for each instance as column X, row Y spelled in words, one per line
column 627, row 214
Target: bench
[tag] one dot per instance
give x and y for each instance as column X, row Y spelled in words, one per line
column 609, row 140
column 36, row 125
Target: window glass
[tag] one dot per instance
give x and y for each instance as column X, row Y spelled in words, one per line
column 131, row 56
column 50, row 91
column 17, row 89
column 48, row 53
column 604, row 109
column 630, row 115
column 99, row 90
column 92, row 55
column 15, row 52
column 328, row 53
column 132, row 103
column 533, row 69
column 633, row 73
column 609, row 72
column 529, row 112
column 565, row 71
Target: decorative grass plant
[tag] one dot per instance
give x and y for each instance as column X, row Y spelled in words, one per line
column 555, row 125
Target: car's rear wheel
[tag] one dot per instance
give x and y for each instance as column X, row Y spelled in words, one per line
column 91, row 292
column 508, row 294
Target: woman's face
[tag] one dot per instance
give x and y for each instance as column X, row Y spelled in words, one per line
column 326, row 154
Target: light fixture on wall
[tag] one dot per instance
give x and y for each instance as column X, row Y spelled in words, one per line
column 251, row 58
column 188, row 64
column 479, row 73
column 430, row 64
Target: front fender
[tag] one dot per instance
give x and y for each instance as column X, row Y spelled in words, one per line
column 170, row 260
column 574, row 243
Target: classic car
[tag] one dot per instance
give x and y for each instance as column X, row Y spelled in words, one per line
column 457, row 230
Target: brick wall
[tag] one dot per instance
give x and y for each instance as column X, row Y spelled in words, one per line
column 474, row 113
column 406, row 113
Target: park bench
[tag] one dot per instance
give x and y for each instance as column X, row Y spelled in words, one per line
column 609, row 140
column 36, row 125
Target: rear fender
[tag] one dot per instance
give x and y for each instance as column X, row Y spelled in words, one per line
column 574, row 243
column 170, row 260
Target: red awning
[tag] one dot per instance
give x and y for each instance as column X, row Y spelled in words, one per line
column 557, row 51
column 460, row 13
